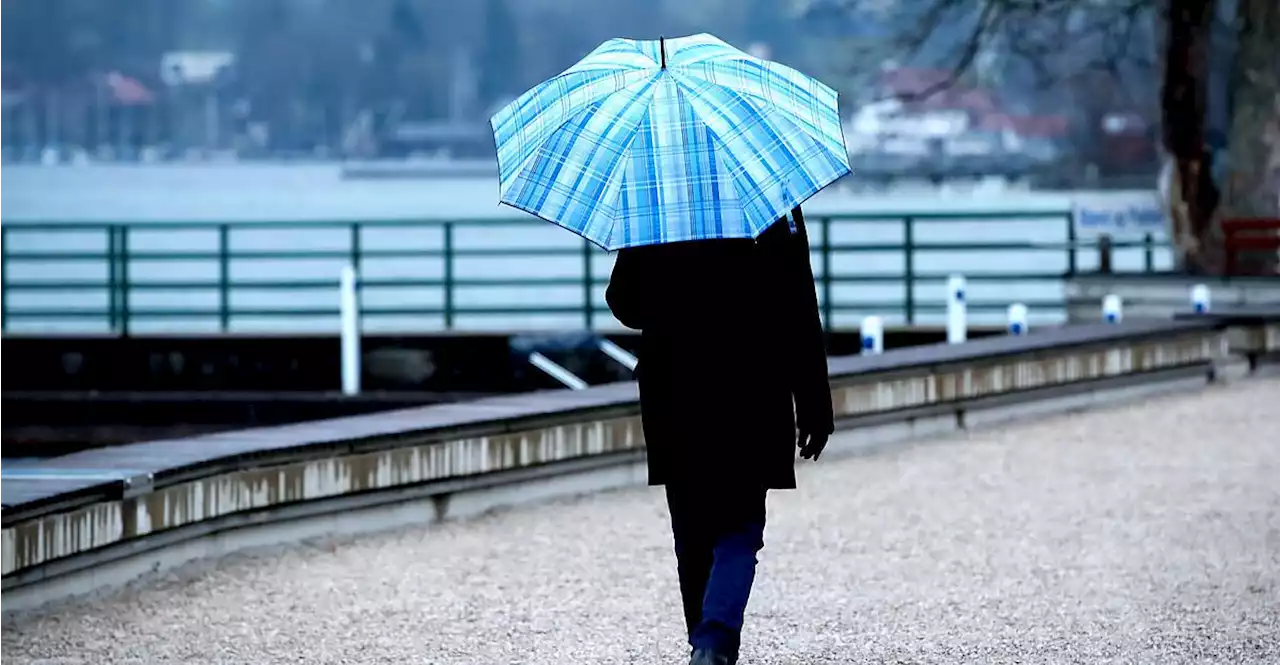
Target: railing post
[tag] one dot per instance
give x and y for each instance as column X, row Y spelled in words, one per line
column 224, row 277
column 1104, row 254
column 588, row 308
column 125, row 314
column 113, row 282
column 446, row 256
column 1148, row 254
column 1071, row 245
column 355, row 264
column 909, row 267
column 826, row 273
column 4, row 278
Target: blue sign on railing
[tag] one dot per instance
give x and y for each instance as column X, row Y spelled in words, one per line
column 1119, row 215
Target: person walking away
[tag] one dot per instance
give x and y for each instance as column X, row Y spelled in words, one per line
column 733, row 377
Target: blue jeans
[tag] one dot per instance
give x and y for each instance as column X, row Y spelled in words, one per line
column 717, row 533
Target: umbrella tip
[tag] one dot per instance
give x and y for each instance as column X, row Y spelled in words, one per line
column 662, row 48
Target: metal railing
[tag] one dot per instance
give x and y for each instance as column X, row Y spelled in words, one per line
column 116, row 277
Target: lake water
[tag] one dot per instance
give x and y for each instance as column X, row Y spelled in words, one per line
column 246, row 194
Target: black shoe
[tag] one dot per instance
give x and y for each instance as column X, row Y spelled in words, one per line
column 709, row 657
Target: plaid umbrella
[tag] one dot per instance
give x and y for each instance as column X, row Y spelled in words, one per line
column 646, row 142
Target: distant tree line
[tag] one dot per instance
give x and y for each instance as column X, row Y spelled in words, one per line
column 307, row 69
column 314, row 75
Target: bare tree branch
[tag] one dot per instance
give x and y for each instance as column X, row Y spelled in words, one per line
column 1062, row 42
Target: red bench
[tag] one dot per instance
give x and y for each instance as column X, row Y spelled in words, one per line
column 1248, row 235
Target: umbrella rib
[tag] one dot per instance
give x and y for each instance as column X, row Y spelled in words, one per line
column 732, row 161
column 624, row 158
column 780, row 115
column 639, row 97
column 768, row 110
column 771, row 106
column 570, row 117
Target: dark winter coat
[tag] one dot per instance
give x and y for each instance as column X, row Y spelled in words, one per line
column 730, row 337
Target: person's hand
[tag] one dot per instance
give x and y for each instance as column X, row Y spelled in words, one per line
column 812, row 444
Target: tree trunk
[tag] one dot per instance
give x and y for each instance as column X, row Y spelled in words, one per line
column 1183, row 102
column 1253, row 181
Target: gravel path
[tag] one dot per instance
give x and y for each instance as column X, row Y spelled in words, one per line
column 1143, row 534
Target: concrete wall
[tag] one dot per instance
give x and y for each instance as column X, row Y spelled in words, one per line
column 442, row 469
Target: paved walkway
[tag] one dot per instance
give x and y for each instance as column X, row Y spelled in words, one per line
column 1144, row 534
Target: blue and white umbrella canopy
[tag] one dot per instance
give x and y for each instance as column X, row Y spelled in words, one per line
column 645, row 142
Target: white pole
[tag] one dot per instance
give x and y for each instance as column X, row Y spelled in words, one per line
column 350, row 312
column 1112, row 309
column 557, row 372
column 619, row 354
column 1200, row 299
column 1018, row 319
column 872, row 331
column 956, row 326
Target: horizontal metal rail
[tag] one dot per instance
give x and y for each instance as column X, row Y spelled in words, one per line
column 114, row 273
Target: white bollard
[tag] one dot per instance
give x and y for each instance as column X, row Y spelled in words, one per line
column 957, row 328
column 1112, row 309
column 872, row 332
column 1018, row 319
column 1200, row 299
column 349, row 309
